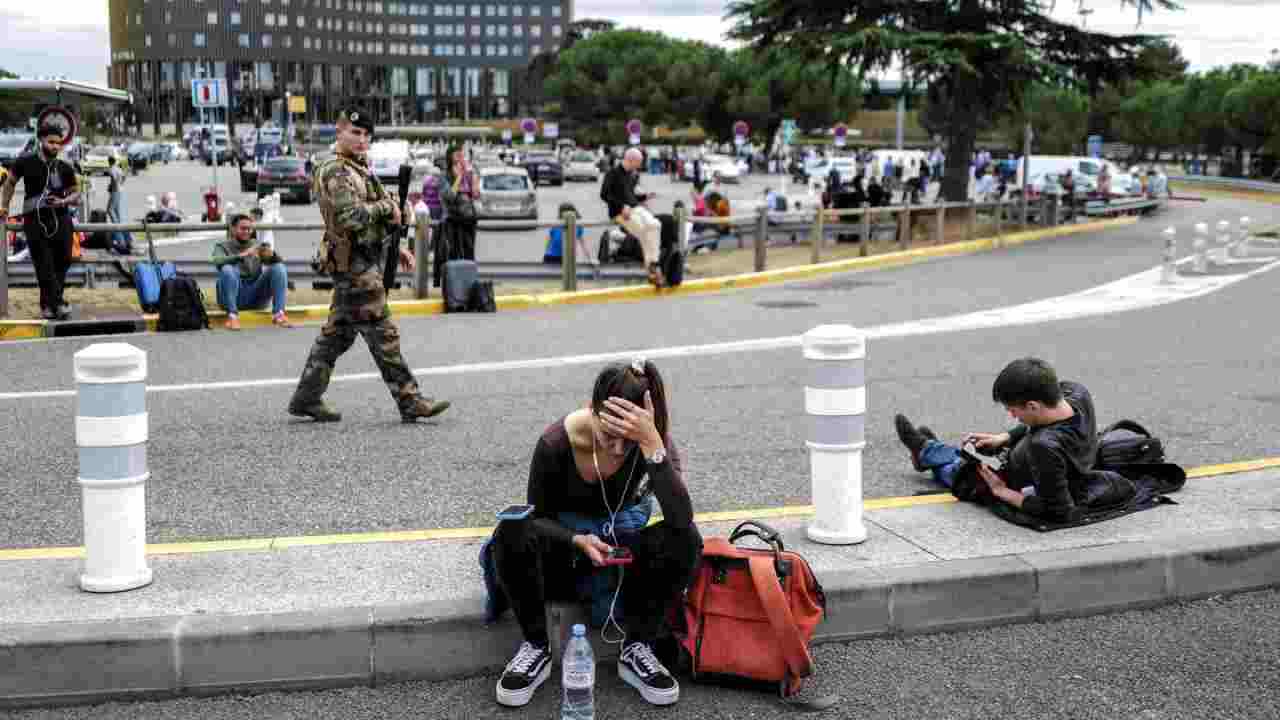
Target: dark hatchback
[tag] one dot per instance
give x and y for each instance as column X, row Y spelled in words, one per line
column 545, row 167
column 288, row 175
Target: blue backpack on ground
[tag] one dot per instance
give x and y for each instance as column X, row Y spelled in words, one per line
column 147, row 278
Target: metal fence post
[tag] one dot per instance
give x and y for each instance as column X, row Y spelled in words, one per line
column 569, row 252
column 835, row 400
column 762, row 238
column 1237, row 249
column 1201, row 247
column 682, row 230
column 1000, row 205
column 421, row 254
column 866, row 230
column 940, row 228
column 816, row 235
column 111, row 438
column 904, row 227
column 4, row 271
column 970, row 218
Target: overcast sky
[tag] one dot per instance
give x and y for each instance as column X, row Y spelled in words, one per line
column 69, row 37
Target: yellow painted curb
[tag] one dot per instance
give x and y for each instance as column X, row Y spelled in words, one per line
column 478, row 533
column 33, row 329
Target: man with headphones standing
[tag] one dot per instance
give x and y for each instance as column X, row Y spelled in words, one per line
column 49, row 194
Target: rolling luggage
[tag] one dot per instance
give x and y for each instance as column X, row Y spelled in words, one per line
column 459, row 277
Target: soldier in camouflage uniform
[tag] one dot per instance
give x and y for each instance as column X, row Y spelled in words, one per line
column 358, row 214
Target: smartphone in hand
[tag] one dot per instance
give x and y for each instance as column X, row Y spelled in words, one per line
column 990, row 461
column 618, row 556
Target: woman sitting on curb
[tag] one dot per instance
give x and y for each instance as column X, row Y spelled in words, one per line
column 589, row 469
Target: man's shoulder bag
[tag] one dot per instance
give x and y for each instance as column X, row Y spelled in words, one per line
column 750, row 614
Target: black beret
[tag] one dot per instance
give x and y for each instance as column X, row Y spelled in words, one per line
column 357, row 117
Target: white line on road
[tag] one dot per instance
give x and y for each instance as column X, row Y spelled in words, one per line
column 1142, row 290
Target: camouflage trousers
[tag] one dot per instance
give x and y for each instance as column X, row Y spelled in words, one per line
column 359, row 307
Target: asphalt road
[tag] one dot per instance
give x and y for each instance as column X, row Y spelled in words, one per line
column 1215, row 658
column 189, row 179
column 229, row 462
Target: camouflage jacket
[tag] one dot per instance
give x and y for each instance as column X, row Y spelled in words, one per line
column 357, row 212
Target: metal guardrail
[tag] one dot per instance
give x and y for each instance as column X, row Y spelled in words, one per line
column 1234, row 183
column 820, row 224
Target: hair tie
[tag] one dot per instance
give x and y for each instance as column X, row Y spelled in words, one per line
column 638, row 365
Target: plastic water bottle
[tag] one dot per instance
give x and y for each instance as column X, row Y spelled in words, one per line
column 578, row 678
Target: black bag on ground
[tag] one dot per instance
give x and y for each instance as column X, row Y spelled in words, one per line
column 672, row 264
column 1127, row 443
column 181, row 305
column 481, row 299
column 459, row 277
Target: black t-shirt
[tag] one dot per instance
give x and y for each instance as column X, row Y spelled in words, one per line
column 39, row 174
column 1055, row 458
column 556, row 486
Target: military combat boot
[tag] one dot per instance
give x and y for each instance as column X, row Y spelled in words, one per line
column 423, row 408
column 318, row 411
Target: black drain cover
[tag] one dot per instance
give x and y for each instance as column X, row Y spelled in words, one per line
column 786, row 304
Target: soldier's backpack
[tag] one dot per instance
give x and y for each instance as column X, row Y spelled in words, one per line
column 181, row 305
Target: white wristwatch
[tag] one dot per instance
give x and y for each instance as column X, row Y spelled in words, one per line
column 658, row 456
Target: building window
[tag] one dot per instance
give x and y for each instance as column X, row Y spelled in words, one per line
column 242, row 41
column 490, row 51
column 502, row 50
column 235, row 18
column 517, row 31
column 475, row 51
column 490, row 11
column 517, row 11
column 266, row 40
column 555, row 11
column 269, row 20
column 173, row 39
column 199, row 40
column 502, row 31
column 147, row 41
column 555, row 31
column 168, row 17
column 535, row 49
column 502, row 11
column 460, row 30
column 306, row 43
column 535, row 31
column 535, row 11
column 490, row 31
column 475, row 31
column 288, row 41
column 213, row 17
column 426, row 85
column 475, row 11
column 138, row 20
column 302, row 21
column 460, row 50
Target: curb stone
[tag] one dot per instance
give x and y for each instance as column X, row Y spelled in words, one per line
column 68, row 663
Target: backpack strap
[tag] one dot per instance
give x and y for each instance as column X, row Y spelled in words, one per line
column 769, row 590
column 1130, row 425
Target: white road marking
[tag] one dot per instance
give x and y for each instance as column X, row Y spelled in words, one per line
column 1135, row 292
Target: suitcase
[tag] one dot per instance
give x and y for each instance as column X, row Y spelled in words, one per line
column 459, row 276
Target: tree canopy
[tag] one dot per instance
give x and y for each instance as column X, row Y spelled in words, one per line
column 605, row 79
column 978, row 56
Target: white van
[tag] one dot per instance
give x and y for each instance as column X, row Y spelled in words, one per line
column 1085, row 169
column 906, row 159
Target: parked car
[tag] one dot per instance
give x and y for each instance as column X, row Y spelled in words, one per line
column 386, row 157
column 583, row 166
column 546, row 165
column 724, row 166
column 506, row 193
column 217, row 150
column 13, row 145
column 139, row 154
column 98, row 160
column 818, row 172
column 287, row 175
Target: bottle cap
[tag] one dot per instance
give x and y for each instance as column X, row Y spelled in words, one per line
column 579, row 630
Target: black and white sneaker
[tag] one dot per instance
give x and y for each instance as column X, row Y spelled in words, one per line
column 524, row 674
column 641, row 669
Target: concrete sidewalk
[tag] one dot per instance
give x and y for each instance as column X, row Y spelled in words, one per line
column 368, row 612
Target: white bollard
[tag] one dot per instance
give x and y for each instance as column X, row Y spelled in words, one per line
column 1237, row 249
column 1224, row 239
column 1201, row 247
column 835, row 399
column 111, row 436
column 1169, row 268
